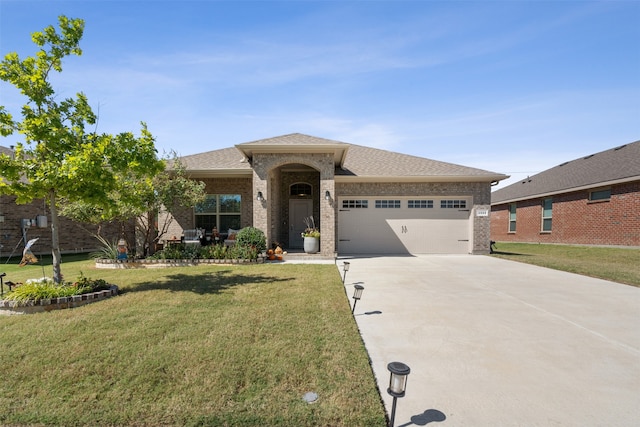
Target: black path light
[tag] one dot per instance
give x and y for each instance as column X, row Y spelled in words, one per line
column 397, row 384
column 345, row 267
column 357, row 294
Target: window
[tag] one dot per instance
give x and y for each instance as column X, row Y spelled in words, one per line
column 453, row 204
column 219, row 210
column 355, row 204
column 600, row 195
column 420, row 204
column 512, row 218
column 547, row 205
column 300, row 189
column 387, row 204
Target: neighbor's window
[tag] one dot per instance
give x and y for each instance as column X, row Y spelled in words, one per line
column 219, row 210
column 453, row 204
column 547, row 205
column 600, row 194
column 386, row 204
column 512, row 218
column 355, row 204
column 420, row 204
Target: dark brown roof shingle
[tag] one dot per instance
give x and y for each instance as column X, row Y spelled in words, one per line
column 615, row 164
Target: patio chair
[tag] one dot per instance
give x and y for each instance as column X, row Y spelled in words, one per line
column 192, row 237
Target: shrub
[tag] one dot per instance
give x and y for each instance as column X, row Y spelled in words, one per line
column 251, row 236
column 244, row 252
column 218, row 251
column 46, row 288
column 107, row 250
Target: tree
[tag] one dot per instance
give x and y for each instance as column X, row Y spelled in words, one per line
column 170, row 190
column 58, row 158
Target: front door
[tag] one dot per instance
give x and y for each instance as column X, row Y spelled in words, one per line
column 299, row 209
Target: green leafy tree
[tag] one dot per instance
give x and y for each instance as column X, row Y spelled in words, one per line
column 173, row 190
column 58, row 158
column 153, row 207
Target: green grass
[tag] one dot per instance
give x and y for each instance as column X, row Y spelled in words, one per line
column 206, row 345
column 615, row 264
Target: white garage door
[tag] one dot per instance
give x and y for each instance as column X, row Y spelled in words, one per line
column 373, row 225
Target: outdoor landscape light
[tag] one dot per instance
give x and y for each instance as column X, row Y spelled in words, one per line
column 2, row 283
column 345, row 266
column 260, row 197
column 397, row 384
column 357, row 294
column 327, row 195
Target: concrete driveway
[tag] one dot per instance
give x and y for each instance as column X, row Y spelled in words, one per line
column 499, row 343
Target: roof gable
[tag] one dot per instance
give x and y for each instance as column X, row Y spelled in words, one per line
column 603, row 168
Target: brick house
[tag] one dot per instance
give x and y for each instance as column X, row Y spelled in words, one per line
column 593, row 200
column 32, row 220
column 364, row 200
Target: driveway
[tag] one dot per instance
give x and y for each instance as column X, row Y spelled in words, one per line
column 499, row 343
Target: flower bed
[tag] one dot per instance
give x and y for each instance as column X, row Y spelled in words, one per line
column 165, row 263
column 9, row 307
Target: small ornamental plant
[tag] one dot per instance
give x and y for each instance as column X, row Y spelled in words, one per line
column 46, row 288
column 311, row 230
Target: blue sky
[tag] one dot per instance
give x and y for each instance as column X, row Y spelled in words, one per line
column 514, row 87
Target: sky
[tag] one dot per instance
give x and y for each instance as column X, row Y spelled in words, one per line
column 514, row 87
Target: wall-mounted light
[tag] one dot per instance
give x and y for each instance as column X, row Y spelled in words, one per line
column 397, row 384
column 327, row 195
column 260, row 197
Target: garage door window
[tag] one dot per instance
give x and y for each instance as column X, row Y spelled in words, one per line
column 453, row 204
column 355, row 204
column 387, row 204
column 420, row 204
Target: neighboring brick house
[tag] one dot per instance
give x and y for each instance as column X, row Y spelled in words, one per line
column 32, row 220
column 593, row 200
column 364, row 200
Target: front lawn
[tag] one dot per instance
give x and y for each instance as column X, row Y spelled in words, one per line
column 206, row 345
column 615, row 264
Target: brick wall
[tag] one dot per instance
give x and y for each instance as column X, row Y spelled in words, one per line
column 575, row 220
column 74, row 236
column 184, row 219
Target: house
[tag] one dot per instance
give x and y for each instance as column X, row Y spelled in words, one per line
column 593, row 200
column 20, row 223
column 364, row 200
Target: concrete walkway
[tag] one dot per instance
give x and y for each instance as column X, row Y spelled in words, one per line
column 499, row 343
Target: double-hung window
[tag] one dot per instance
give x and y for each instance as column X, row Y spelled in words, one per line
column 219, row 210
column 547, row 207
column 512, row 218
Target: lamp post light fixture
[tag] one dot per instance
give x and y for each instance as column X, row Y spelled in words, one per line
column 357, row 294
column 345, row 266
column 397, row 384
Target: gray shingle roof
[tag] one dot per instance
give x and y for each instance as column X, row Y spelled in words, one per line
column 365, row 161
column 224, row 159
column 360, row 161
column 616, row 164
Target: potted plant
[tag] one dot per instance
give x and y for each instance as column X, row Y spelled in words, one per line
column 311, row 236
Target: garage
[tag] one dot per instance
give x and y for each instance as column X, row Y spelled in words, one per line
column 402, row 225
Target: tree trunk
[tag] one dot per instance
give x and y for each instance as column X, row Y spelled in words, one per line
column 55, row 241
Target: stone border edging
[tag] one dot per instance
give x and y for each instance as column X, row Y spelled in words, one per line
column 10, row 307
column 164, row 263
